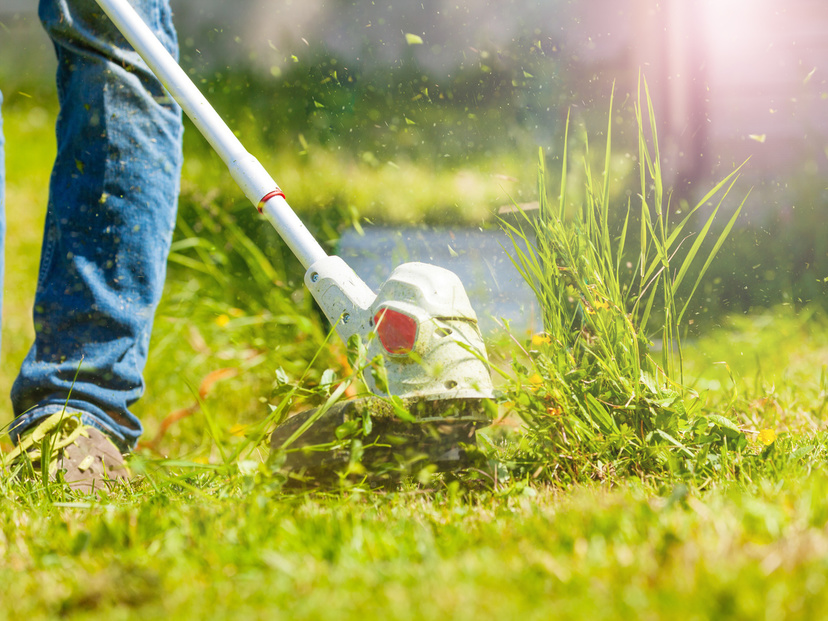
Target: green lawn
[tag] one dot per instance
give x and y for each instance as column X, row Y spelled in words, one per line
column 199, row 536
column 235, row 549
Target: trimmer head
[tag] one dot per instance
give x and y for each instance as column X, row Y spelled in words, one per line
column 423, row 329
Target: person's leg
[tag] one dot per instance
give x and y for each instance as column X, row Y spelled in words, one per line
column 109, row 224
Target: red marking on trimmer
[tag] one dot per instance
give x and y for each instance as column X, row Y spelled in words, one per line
column 397, row 331
column 268, row 196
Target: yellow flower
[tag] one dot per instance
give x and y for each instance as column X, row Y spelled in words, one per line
column 222, row 320
column 767, row 436
column 541, row 338
column 536, row 381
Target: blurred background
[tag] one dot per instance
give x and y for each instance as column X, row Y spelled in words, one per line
column 471, row 88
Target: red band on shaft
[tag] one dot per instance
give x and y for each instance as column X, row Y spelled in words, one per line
column 268, row 196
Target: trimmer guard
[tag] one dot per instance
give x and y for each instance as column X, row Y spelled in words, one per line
column 443, row 435
column 423, row 328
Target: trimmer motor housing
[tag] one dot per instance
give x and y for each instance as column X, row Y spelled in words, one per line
column 421, row 322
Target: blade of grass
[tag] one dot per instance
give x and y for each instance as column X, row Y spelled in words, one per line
column 722, row 237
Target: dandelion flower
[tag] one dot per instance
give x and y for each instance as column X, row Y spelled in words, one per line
column 767, row 436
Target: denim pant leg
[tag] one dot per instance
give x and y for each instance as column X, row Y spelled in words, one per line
column 109, row 224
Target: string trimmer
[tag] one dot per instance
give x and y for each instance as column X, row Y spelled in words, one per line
column 420, row 323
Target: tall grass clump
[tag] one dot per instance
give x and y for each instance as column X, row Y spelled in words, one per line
column 595, row 395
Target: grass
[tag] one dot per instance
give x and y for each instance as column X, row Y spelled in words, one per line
column 199, row 535
column 234, row 550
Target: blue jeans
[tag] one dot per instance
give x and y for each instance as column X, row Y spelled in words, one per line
column 111, row 213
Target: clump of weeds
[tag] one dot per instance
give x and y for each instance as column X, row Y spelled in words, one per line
column 596, row 397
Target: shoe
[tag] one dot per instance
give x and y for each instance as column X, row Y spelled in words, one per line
column 90, row 461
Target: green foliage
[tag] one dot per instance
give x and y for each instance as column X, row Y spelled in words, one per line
column 755, row 368
column 596, row 399
column 395, row 110
column 334, row 189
